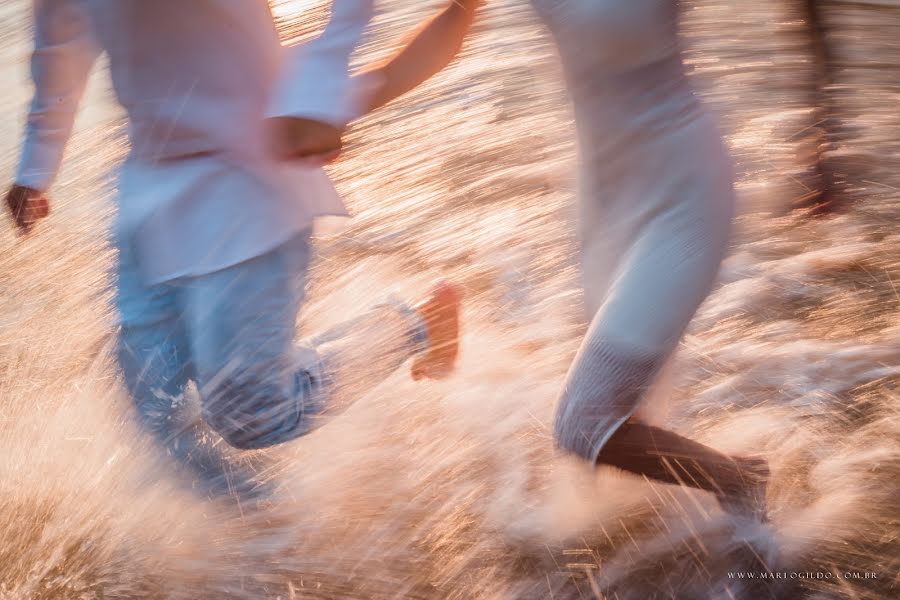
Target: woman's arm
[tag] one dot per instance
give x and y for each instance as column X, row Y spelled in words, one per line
column 429, row 50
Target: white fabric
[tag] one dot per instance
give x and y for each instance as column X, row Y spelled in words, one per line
column 655, row 203
column 601, row 393
column 198, row 78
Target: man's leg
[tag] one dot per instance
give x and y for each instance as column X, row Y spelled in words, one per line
column 155, row 366
column 260, row 389
column 155, row 362
column 151, row 353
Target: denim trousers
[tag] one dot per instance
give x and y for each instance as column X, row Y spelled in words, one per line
column 232, row 332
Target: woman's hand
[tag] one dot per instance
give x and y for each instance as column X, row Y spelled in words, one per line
column 296, row 138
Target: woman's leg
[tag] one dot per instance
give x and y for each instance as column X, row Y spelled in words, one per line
column 665, row 275
column 661, row 455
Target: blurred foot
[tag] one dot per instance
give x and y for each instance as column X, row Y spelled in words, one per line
column 749, row 500
column 440, row 311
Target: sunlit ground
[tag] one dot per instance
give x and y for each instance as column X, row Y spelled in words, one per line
column 451, row 489
column 293, row 9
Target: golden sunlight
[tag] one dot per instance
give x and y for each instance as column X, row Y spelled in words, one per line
column 287, row 8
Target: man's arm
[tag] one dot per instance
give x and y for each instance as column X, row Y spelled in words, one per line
column 318, row 97
column 314, row 98
column 64, row 51
column 429, row 50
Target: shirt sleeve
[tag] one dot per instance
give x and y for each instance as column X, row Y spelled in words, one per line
column 315, row 81
column 64, row 51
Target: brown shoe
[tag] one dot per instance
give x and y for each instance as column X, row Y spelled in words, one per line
column 440, row 311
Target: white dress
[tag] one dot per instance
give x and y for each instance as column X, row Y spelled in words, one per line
column 655, row 203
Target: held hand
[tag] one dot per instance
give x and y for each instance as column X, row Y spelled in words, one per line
column 295, row 138
column 27, row 206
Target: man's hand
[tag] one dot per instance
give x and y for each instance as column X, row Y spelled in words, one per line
column 295, row 138
column 27, row 206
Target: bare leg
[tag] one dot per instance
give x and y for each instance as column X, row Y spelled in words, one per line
column 667, row 271
column 739, row 483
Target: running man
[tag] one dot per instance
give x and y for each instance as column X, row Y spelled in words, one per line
column 215, row 205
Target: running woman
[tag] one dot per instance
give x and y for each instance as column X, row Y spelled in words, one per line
column 655, row 206
column 655, row 202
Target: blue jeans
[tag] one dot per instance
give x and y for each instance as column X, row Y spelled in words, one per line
column 232, row 333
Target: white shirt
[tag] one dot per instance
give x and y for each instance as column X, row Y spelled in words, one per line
column 198, row 192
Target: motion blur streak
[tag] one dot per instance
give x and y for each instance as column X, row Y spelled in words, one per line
column 451, row 489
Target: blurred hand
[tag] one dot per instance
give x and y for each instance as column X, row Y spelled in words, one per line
column 295, row 138
column 27, row 206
